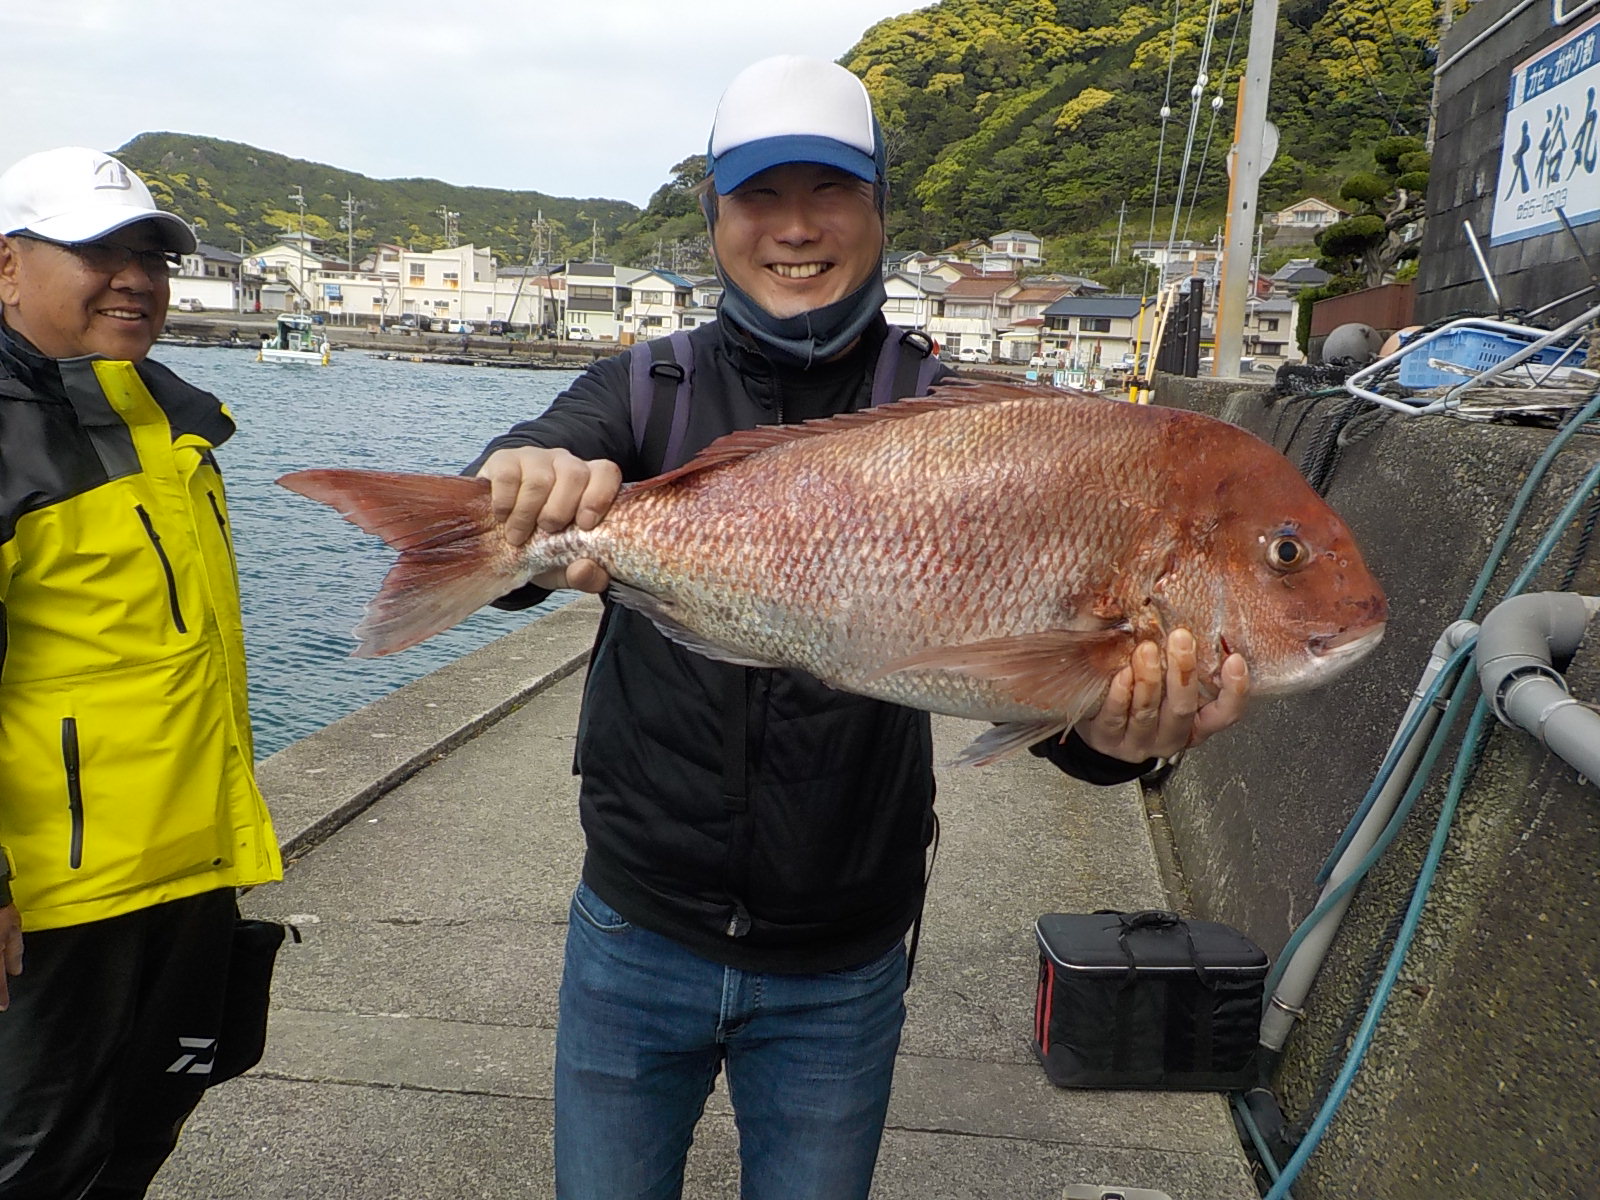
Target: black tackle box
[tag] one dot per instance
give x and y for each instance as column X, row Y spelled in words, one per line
column 1146, row 1000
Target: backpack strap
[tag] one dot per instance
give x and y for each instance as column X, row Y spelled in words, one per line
column 659, row 383
column 900, row 374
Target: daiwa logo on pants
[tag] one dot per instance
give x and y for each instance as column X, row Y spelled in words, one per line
column 196, row 1058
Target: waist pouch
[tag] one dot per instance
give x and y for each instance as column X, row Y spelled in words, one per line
column 242, row 1038
column 1146, row 1000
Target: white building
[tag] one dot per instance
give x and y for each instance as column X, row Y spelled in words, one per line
column 914, row 298
column 659, row 301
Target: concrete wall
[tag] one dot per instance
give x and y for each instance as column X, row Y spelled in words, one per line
column 1470, row 125
column 1482, row 1080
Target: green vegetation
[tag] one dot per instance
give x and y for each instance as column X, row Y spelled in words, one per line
column 233, row 192
column 1035, row 114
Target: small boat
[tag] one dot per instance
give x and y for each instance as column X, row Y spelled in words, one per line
column 298, row 340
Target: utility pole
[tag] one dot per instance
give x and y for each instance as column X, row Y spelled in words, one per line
column 1116, row 255
column 1249, row 145
column 299, row 197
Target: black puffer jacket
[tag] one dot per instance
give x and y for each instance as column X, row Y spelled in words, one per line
column 756, row 816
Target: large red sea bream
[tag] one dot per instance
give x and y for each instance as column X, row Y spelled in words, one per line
column 994, row 551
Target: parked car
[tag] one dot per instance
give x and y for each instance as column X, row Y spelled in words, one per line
column 1051, row 361
column 973, row 354
column 460, row 327
column 190, row 304
column 499, row 328
column 579, row 333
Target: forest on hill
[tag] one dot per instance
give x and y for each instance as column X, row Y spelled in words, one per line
column 1044, row 115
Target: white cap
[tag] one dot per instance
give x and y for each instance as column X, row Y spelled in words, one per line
column 792, row 109
column 72, row 194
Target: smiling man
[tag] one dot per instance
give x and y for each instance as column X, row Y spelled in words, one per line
column 129, row 812
column 755, row 840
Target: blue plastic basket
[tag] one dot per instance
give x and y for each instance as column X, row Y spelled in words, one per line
column 1475, row 350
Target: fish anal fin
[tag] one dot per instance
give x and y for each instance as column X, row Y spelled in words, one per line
column 1060, row 671
column 1003, row 740
column 662, row 617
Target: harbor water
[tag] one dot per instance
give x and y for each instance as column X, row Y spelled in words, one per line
column 305, row 574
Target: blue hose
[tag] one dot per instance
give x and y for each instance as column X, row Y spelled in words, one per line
column 1402, row 945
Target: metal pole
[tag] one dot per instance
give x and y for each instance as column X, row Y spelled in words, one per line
column 1247, row 168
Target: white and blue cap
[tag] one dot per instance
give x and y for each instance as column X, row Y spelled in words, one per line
column 792, row 109
column 74, row 194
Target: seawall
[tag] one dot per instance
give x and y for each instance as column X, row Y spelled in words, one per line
column 1480, row 1082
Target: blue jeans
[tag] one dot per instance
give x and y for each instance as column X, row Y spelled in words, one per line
column 645, row 1025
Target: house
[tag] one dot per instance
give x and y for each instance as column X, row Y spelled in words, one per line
column 660, row 298
column 212, row 278
column 1296, row 275
column 1023, row 340
column 1309, row 214
column 1269, row 328
column 1013, row 250
column 598, row 294
column 977, row 310
column 1091, row 331
column 914, row 298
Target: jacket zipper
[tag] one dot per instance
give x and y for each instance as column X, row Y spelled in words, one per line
column 166, row 565
column 69, row 759
column 222, row 524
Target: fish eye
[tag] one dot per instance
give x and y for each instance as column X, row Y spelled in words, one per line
column 1287, row 553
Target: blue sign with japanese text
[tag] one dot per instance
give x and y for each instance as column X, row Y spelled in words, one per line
column 1549, row 155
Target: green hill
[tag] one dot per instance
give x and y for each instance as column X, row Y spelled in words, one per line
column 231, row 191
column 1036, row 114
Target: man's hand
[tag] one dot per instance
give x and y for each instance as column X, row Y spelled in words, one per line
column 10, row 950
column 550, row 490
column 1147, row 716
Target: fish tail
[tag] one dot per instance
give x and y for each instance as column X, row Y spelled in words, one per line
column 453, row 557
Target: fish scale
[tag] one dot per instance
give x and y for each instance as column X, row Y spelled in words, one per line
column 993, row 551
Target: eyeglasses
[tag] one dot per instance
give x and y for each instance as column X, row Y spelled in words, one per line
column 108, row 258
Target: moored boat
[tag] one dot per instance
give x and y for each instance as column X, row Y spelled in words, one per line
column 297, row 340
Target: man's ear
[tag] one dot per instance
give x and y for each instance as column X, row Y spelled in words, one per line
column 10, row 271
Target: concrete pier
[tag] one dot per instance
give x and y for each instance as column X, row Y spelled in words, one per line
column 433, row 842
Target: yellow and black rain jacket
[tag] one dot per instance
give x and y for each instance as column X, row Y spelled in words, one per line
column 126, row 768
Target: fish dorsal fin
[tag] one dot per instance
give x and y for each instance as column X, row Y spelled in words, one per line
column 948, row 394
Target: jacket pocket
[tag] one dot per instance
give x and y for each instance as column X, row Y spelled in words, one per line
column 70, row 762
column 166, row 566
column 222, row 524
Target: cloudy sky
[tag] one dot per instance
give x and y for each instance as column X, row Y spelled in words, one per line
column 567, row 97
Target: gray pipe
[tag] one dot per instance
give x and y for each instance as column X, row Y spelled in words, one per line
column 1278, row 1018
column 1515, row 645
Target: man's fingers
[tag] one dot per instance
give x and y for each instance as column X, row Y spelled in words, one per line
column 586, row 575
column 1147, row 685
column 605, row 481
column 1230, row 703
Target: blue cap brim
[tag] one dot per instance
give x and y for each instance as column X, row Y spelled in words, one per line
column 730, row 170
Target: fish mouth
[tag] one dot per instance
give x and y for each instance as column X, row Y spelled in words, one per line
column 1350, row 644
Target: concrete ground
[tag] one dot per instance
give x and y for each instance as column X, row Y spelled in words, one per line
column 434, row 843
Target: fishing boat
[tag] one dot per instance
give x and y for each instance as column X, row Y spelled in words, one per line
column 298, row 340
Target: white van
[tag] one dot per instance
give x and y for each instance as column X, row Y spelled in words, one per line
column 579, row 333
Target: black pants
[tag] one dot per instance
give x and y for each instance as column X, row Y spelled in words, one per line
column 106, row 1047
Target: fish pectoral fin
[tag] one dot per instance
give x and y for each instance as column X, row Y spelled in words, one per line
column 1060, row 671
column 1006, row 739
column 662, row 617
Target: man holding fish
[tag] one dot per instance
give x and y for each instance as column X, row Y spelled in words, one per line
column 756, row 839
column 797, row 575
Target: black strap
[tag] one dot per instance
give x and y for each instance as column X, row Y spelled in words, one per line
column 666, row 373
column 736, row 792
column 916, row 926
